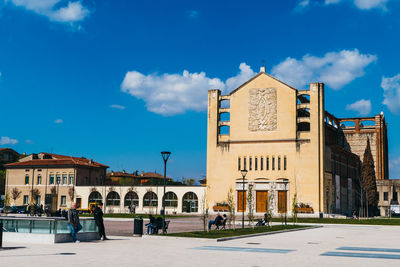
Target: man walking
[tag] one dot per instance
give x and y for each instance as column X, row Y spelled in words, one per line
column 98, row 217
column 73, row 222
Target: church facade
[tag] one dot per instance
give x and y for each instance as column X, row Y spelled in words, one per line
column 294, row 151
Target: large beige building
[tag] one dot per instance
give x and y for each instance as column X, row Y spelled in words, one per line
column 289, row 144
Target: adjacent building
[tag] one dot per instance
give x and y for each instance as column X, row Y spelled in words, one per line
column 291, row 146
column 55, row 181
column 51, row 179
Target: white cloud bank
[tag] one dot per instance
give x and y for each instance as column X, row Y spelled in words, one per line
column 363, row 107
column 55, row 10
column 335, row 69
column 391, row 93
column 58, row 121
column 360, row 4
column 4, row 140
column 170, row 94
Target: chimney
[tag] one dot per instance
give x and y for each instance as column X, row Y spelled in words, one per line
column 262, row 69
column 123, row 171
column 142, row 173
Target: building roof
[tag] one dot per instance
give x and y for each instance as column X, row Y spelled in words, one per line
column 3, row 149
column 49, row 159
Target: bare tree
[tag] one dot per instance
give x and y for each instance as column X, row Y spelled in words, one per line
column 34, row 194
column 204, row 211
column 231, row 207
column 250, row 203
column 15, row 194
column 71, row 193
column 53, row 190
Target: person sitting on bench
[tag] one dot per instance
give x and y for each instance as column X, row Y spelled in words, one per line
column 218, row 221
column 222, row 223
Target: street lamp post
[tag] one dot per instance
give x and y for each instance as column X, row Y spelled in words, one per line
column 285, row 181
column 244, row 173
column 165, row 155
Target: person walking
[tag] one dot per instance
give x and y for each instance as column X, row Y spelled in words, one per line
column 73, row 222
column 98, row 217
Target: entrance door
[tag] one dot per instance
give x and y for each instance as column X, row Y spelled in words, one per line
column 241, row 196
column 262, row 199
column 282, row 201
column 78, row 203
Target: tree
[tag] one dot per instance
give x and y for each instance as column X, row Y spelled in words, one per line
column 368, row 179
column 34, row 194
column 188, row 181
column 250, row 203
column 15, row 194
column 231, row 207
column 295, row 205
column 71, row 193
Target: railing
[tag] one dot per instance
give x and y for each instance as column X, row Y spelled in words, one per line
column 44, row 225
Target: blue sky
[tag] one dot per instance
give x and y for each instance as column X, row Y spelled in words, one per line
column 120, row 81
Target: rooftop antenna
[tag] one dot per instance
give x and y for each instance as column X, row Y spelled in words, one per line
column 262, row 68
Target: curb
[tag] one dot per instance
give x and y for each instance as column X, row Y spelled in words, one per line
column 267, row 233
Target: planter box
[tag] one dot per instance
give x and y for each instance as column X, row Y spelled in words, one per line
column 305, row 210
column 221, row 208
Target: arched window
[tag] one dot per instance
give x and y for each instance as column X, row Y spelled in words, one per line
column 190, row 202
column 95, row 197
column 171, row 200
column 113, row 199
column 131, row 198
column 150, row 199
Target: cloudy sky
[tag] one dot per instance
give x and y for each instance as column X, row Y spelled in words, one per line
column 120, row 81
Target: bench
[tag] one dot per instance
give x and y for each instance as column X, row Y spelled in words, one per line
column 157, row 226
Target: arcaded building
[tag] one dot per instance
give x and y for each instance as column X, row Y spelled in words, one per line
column 290, row 146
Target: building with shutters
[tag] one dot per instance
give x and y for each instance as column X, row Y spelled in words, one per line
column 291, row 147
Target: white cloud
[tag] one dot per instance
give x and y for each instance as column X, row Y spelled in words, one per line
column 58, row 121
column 335, row 69
column 170, row 94
column 28, row 141
column 394, row 168
column 391, row 93
column 362, row 4
column 4, row 140
column 363, row 107
column 55, row 10
column 117, row 106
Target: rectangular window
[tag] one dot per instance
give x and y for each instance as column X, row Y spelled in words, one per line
column 26, row 179
column 255, row 163
column 279, row 163
column 284, row 163
column 261, row 163
column 38, row 200
column 267, row 163
column 250, row 163
column 71, row 179
column 63, row 200
column 39, row 179
column 239, row 164
column 385, row 196
column 25, row 200
column 244, row 163
column 64, row 179
column 58, row 178
column 51, row 180
column 394, row 196
column 273, row 163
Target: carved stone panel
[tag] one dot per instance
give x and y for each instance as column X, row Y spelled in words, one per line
column 262, row 109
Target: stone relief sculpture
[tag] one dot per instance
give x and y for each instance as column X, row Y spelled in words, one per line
column 262, row 110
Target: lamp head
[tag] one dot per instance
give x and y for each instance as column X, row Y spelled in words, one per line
column 165, row 155
column 244, row 172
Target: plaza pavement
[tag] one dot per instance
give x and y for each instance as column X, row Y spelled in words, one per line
column 332, row 245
